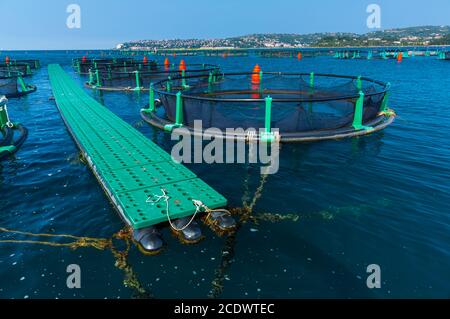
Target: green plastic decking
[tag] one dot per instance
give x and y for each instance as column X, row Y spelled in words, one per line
column 130, row 168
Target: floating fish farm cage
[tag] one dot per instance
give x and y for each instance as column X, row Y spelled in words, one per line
column 12, row 135
column 139, row 79
column 270, row 53
column 12, row 84
column 83, row 65
column 289, row 107
column 370, row 55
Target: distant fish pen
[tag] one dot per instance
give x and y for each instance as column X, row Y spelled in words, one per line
column 189, row 52
column 289, row 107
column 13, row 85
column 271, row 53
column 444, row 55
column 83, row 65
column 371, row 55
column 139, row 76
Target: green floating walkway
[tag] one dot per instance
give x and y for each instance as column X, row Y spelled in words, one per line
column 130, row 167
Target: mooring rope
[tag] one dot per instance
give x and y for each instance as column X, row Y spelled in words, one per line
column 130, row 281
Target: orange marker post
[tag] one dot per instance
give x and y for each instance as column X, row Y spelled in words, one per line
column 182, row 66
column 256, row 78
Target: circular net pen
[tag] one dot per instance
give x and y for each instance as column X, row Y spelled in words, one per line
column 82, row 65
column 13, row 85
column 119, row 79
column 289, row 107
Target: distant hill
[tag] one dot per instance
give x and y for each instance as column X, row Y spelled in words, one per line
column 413, row 36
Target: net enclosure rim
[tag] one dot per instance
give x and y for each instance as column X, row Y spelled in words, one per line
column 204, row 67
column 380, row 122
column 385, row 86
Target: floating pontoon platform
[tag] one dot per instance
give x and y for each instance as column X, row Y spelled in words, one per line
column 130, row 168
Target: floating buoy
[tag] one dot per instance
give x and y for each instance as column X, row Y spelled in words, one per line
column 256, row 78
column 7, row 60
column 182, row 66
column 225, row 55
column 145, row 60
column 174, row 55
column 299, row 56
column 400, row 57
column 84, row 59
column 166, row 64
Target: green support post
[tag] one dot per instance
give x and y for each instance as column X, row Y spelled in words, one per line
column 178, row 114
column 78, row 67
column 183, row 79
column 22, row 84
column 91, row 77
column 311, row 80
column 97, row 77
column 358, row 115
column 138, row 84
column 268, row 136
column 169, row 84
column 151, row 102
column 260, row 81
column 28, row 70
column 359, row 83
column 210, row 81
column 384, row 104
column 210, row 78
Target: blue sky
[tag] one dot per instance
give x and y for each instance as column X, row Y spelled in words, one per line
column 41, row 24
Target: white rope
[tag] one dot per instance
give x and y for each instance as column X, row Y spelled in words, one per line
column 157, row 198
column 8, row 121
column 3, row 101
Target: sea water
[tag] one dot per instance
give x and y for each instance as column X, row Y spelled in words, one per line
column 376, row 200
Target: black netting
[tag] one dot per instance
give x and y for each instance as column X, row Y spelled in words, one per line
column 83, row 66
column 33, row 64
column 8, row 85
column 117, row 78
column 297, row 106
column 23, row 68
